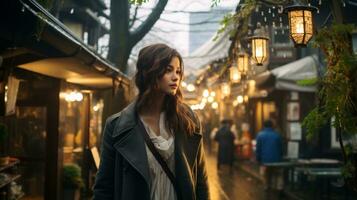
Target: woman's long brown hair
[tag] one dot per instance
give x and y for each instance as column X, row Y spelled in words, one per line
column 152, row 64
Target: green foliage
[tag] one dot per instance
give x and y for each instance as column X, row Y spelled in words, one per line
column 339, row 82
column 215, row 3
column 337, row 91
column 237, row 21
column 313, row 116
column 347, row 169
column 72, row 176
column 138, row 2
column 307, row 82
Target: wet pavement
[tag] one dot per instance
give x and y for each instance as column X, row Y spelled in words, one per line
column 236, row 186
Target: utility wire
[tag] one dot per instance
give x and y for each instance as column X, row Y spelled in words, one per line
column 182, row 23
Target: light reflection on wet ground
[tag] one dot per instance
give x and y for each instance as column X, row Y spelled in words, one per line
column 227, row 186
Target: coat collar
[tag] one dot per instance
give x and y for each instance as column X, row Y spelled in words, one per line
column 128, row 140
column 126, row 120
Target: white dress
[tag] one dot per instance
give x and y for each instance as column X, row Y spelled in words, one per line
column 161, row 186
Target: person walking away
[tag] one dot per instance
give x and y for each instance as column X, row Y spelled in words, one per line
column 269, row 150
column 225, row 139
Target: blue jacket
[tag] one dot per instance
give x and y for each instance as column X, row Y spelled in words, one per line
column 269, row 146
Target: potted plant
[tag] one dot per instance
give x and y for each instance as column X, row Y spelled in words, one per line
column 72, row 181
column 4, row 158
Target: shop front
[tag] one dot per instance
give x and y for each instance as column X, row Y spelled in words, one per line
column 286, row 100
column 54, row 97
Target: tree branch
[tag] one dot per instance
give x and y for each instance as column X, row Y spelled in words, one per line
column 336, row 11
column 132, row 21
column 145, row 27
column 119, row 29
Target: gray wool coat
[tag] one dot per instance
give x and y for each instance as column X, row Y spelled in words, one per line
column 124, row 170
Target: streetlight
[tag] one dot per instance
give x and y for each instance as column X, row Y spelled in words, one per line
column 243, row 62
column 259, row 45
column 300, row 23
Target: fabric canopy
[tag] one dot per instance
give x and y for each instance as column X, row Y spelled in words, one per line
column 212, row 50
column 287, row 76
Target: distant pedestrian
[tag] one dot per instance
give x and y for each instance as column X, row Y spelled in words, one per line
column 212, row 145
column 269, row 150
column 246, row 142
column 225, row 138
column 153, row 149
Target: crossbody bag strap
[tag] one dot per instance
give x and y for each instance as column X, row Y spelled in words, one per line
column 158, row 157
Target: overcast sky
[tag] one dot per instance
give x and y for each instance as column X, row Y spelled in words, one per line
column 174, row 26
column 174, row 22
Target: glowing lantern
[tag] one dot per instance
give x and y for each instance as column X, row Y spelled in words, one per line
column 301, row 24
column 259, row 45
column 235, row 75
column 243, row 62
column 226, row 89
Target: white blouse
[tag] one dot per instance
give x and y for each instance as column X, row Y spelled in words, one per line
column 161, row 186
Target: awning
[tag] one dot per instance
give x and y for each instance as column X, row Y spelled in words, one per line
column 58, row 52
column 287, row 76
column 71, row 70
column 208, row 52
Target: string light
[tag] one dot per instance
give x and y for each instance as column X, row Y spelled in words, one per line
column 205, row 93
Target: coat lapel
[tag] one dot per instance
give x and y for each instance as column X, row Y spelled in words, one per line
column 130, row 143
column 186, row 149
column 191, row 149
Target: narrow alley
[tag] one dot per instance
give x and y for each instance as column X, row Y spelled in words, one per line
column 235, row 186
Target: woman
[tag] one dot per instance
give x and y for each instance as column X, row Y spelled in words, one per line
column 129, row 168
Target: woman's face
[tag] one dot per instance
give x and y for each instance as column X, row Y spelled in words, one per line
column 170, row 81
